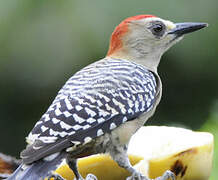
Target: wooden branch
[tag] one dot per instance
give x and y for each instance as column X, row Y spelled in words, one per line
column 7, row 165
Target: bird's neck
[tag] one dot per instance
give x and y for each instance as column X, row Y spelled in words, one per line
column 151, row 62
column 140, row 51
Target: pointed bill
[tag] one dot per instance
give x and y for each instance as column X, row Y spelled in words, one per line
column 187, row 27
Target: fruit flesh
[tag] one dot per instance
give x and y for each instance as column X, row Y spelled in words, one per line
column 152, row 151
column 102, row 166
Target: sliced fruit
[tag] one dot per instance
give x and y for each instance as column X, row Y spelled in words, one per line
column 152, row 151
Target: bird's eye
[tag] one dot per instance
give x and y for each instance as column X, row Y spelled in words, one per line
column 157, row 28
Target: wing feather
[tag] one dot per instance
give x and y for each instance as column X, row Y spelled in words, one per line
column 92, row 102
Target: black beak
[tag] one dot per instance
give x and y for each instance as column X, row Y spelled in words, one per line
column 188, row 27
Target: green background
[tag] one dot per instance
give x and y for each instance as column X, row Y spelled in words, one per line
column 44, row 42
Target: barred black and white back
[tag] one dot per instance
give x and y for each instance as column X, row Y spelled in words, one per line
column 96, row 100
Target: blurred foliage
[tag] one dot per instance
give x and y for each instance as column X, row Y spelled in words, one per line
column 42, row 43
column 211, row 125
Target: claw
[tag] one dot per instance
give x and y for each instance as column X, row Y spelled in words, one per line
column 91, row 177
column 88, row 177
column 55, row 177
column 137, row 176
column 168, row 174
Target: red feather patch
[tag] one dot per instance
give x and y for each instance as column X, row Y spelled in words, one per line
column 120, row 30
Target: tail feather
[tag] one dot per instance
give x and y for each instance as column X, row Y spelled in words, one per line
column 39, row 169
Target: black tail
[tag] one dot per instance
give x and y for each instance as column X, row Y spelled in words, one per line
column 39, row 169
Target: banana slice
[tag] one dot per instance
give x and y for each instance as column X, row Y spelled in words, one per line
column 152, row 151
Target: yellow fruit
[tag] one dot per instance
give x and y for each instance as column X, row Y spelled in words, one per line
column 102, row 166
column 152, row 151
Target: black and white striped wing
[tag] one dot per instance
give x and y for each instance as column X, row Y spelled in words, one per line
column 93, row 102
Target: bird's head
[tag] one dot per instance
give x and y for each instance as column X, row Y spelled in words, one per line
column 144, row 38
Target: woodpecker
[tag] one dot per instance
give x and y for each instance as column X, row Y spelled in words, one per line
column 101, row 106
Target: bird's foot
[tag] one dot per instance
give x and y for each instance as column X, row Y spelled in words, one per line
column 137, row 176
column 55, row 176
column 88, row 177
column 167, row 175
column 91, row 177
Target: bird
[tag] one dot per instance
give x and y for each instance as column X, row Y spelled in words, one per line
column 101, row 106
